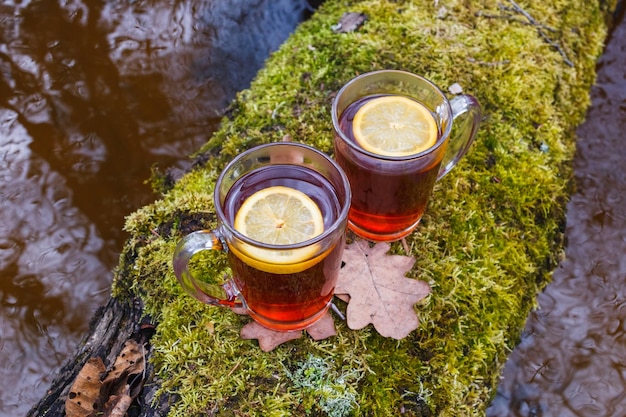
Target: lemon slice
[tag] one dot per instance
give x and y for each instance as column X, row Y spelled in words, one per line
column 279, row 216
column 394, row 126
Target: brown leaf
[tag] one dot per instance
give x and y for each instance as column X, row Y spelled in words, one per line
column 349, row 22
column 323, row 328
column 83, row 399
column 130, row 361
column 379, row 292
column 118, row 405
column 270, row 339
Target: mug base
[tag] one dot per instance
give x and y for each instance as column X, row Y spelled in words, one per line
column 288, row 326
column 381, row 237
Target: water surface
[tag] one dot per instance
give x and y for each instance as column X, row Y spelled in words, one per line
column 92, row 95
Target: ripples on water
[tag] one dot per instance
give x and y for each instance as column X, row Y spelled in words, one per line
column 571, row 361
column 92, row 95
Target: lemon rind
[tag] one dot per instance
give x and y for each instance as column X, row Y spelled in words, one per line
column 267, row 260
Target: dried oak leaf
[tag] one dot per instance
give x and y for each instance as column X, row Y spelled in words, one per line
column 349, row 22
column 270, row 339
column 379, row 292
column 130, row 361
column 118, row 405
column 83, row 399
column 124, row 380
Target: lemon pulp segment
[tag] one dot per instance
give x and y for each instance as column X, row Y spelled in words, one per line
column 394, row 126
column 279, row 215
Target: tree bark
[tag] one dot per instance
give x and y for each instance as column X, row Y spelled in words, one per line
column 112, row 325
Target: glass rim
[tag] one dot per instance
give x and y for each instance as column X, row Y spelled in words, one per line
column 335, row 116
column 341, row 218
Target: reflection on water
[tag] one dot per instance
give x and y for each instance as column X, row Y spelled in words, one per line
column 571, row 361
column 92, row 95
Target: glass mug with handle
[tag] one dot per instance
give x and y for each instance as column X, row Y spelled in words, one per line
column 393, row 138
column 282, row 212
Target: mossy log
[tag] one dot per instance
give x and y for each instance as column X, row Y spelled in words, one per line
column 487, row 245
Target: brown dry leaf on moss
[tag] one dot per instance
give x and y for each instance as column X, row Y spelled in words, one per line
column 349, row 22
column 84, row 397
column 379, row 292
column 270, row 339
column 323, row 328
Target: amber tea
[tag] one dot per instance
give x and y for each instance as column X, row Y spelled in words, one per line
column 386, row 200
column 393, row 140
column 282, row 212
column 296, row 288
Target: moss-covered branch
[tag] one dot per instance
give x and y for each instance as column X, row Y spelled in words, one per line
column 487, row 245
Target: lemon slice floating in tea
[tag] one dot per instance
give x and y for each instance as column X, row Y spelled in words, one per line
column 394, row 126
column 278, row 215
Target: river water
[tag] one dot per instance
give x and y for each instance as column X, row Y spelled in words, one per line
column 571, row 361
column 92, row 95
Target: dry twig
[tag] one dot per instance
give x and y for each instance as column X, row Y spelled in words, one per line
column 541, row 28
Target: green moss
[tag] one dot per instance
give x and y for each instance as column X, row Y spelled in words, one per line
column 490, row 239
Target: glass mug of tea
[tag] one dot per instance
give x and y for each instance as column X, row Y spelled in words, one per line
column 282, row 212
column 393, row 138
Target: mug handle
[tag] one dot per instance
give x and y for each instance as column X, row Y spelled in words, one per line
column 224, row 295
column 467, row 110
